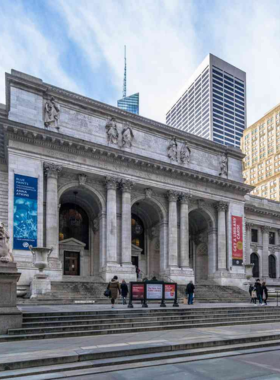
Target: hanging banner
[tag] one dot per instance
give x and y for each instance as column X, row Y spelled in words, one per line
column 154, row 291
column 169, row 291
column 25, row 211
column 237, row 240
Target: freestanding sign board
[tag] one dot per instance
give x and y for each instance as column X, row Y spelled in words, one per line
column 152, row 290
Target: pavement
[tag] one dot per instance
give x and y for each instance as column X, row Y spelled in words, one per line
column 23, row 350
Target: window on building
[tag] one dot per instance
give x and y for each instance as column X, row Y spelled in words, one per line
column 272, row 266
column 272, row 238
column 255, row 260
column 254, row 236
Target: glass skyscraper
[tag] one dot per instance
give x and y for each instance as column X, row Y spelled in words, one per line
column 130, row 103
column 213, row 104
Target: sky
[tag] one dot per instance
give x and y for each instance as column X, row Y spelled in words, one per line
column 79, row 45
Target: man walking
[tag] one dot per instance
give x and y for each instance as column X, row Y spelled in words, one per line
column 190, row 292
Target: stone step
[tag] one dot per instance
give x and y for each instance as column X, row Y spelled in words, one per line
column 133, row 320
column 143, row 324
column 96, row 362
column 119, row 330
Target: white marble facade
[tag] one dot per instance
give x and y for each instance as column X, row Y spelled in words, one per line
column 117, row 166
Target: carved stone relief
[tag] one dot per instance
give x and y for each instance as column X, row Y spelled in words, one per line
column 51, row 113
column 223, row 166
column 112, row 131
column 127, row 136
column 185, row 153
column 173, row 153
column 172, row 150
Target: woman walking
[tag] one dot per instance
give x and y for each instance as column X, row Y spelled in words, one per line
column 114, row 288
column 264, row 293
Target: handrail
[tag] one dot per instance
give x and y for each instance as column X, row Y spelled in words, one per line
column 162, row 278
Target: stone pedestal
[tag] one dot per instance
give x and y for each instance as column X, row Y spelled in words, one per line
column 179, row 275
column 10, row 315
column 40, row 284
column 124, row 272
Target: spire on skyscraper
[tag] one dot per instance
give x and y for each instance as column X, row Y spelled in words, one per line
column 124, row 78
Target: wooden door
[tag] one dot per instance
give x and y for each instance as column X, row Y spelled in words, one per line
column 71, row 263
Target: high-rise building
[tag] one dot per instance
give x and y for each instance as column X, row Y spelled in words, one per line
column 128, row 103
column 261, row 166
column 213, row 103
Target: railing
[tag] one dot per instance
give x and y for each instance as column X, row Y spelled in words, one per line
column 162, row 278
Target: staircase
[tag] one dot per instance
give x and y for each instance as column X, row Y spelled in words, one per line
column 49, row 325
column 89, row 292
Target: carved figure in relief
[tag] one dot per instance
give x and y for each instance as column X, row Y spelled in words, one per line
column 127, row 137
column 172, row 150
column 223, row 166
column 5, row 250
column 52, row 113
column 112, row 131
column 185, row 153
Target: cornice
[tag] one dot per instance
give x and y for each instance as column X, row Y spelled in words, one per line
column 261, row 211
column 54, row 140
column 84, row 103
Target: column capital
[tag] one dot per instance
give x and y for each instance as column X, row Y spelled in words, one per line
column 249, row 226
column 221, row 206
column 185, row 198
column 265, row 229
column 111, row 183
column 51, row 169
column 172, row 195
column 126, row 185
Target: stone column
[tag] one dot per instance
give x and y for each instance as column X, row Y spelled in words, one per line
column 172, row 230
column 184, row 230
column 126, row 186
column 248, row 242
column 111, row 228
column 265, row 231
column 222, row 253
column 52, row 226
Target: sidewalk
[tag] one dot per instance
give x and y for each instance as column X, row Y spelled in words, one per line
column 56, row 348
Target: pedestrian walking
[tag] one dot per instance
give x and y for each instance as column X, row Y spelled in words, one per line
column 264, row 293
column 114, row 288
column 258, row 290
column 251, row 288
column 190, row 292
column 124, row 291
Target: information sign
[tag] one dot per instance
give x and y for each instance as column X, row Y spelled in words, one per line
column 169, row 291
column 154, row 291
column 138, row 291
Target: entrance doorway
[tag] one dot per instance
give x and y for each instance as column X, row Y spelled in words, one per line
column 135, row 261
column 71, row 263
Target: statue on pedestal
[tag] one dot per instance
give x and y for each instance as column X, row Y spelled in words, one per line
column 5, row 250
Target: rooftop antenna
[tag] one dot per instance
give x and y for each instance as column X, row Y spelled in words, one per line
column 124, row 79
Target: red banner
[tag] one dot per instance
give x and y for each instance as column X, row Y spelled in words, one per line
column 138, row 291
column 237, row 240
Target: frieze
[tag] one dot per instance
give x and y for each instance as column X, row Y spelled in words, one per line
column 51, row 113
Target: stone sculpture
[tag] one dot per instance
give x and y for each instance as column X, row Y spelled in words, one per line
column 5, row 250
column 112, row 131
column 52, row 113
column 223, row 166
column 172, row 150
column 185, row 153
column 127, row 137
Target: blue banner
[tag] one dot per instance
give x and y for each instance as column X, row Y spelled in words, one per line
column 25, row 211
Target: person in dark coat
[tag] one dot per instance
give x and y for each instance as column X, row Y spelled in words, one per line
column 264, row 293
column 124, row 291
column 258, row 289
column 251, row 288
column 190, row 292
column 114, row 288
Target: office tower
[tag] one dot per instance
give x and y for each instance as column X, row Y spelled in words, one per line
column 261, row 144
column 128, row 103
column 213, row 103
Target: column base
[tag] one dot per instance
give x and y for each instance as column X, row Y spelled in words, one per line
column 179, row 275
column 124, row 272
column 40, row 284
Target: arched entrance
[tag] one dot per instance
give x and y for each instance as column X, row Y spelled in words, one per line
column 256, row 268
column 272, row 266
column 147, row 228
column 79, row 232
column 199, row 222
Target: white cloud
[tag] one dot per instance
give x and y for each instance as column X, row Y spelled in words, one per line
column 24, row 48
column 160, row 38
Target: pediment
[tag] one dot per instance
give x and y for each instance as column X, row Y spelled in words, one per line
column 72, row 241
column 135, row 249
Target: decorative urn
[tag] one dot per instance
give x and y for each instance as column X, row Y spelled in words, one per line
column 40, row 257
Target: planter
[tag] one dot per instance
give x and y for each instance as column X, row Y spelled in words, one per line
column 40, row 257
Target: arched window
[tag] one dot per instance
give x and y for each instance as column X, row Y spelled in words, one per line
column 73, row 223
column 255, row 261
column 272, row 266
